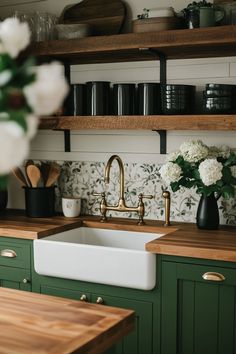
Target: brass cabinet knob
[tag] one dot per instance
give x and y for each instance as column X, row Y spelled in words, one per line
column 25, row 281
column 8, row 253
column 213, row 276
column 83, row 297
column 100, row 300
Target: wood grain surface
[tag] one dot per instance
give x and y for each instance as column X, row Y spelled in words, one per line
column 34, row 323
column 175, row 44
column 15, row 224
column 163, row 122
column 189, row 241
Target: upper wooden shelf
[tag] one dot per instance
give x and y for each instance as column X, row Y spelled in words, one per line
column 175, row 44
column 161, row 122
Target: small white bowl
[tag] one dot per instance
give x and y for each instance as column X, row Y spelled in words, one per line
column 71, row 31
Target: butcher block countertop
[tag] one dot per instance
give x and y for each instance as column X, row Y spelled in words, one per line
column 35, row 323
column 180, row 239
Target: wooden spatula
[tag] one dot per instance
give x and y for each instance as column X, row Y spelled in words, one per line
column 20, row 177
column 34, row 175
column 53, row 174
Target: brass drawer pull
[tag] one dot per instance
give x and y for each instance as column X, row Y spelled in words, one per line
column 8, row 253
column 213, row 276
column 84, row 298
column 100, row 300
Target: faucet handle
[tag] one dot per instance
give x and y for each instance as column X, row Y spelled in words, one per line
column 103, row 205
column 147, row 196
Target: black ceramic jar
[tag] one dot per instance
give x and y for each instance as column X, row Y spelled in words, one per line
column 97, row 98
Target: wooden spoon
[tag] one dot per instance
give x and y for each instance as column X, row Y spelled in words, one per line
column 19, row 176
column 53, row 174
column 28, row 163
column 34, row 175
column 45, row 168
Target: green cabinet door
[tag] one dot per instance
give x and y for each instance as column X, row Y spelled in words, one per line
column 198, row 316
column 140, row 340
column 15, row 278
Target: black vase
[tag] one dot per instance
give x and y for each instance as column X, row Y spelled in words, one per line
column 3, row 200
column 208, row 213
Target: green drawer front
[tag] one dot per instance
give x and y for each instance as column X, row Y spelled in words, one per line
column 14, row 254
column 198, row 272
column 15, row 278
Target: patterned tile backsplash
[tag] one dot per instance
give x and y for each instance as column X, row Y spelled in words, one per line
column 84, row 178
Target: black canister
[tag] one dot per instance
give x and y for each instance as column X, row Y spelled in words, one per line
column 98, row 98
column 123, row 99
column 149, row 98
column 76, row 101
column 39, row 202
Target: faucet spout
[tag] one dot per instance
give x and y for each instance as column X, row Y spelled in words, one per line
column 122, row 174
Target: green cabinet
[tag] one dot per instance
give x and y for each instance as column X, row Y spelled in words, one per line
column 143, row 340
column 198, row 315
column 15, row 263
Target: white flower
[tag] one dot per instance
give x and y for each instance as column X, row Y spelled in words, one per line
column 213, row 152
column 224, row 151
column 15, row 146
column 172, row 156
column 233, row 171
column 14, row 36
column 193, row 150
column 170, row 172
column 46, row 94
column 5, row 77
column 210, row 171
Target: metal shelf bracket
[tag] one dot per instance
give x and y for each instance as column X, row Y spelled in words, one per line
column 163, row 141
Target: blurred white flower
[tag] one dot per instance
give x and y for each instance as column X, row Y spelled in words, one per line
column 224, row 151
column 5, row 77
column 14, row 36
column 210, row 171
column 193, row 150
column 233, row 171
column 15, row 146
column 170, row 172
column 47, row 92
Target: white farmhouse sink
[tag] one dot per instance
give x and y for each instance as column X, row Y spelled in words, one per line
column 103, row 256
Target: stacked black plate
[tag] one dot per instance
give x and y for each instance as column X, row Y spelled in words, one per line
column 219, row 98
column 177, row 99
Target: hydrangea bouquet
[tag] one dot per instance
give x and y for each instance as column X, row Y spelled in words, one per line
column 208, row 169
column 26, row 92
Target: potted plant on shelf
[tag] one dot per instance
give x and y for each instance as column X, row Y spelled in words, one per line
column 210, row 170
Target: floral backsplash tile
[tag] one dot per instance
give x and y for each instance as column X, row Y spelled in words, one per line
column 85, row 178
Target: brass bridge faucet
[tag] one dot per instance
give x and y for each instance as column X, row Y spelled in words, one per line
column 121, row 206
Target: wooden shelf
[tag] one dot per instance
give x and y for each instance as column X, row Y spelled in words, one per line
column 160, row 122
column 174, row 44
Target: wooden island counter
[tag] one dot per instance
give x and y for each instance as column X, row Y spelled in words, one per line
column 41, row 324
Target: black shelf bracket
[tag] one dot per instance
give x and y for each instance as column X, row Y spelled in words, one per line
column 67, row 140
column 163, row 141
column 163, row 75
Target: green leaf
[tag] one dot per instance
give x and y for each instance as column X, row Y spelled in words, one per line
column 19, row 117
column 227, row 175
column 228, row 191
column 174, row 186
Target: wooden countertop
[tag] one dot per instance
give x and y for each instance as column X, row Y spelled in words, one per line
column 35, row 323
column 14, row 223
column 180, row 239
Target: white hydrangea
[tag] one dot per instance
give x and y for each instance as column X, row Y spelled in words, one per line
column 233, row 171
column 48, row 91
column 172, row 156
column 170, row 172
column 14, row 36
column 224, row 151
column 194, row 150
column 32, row 125
column 16, row 146
column 210, row 171
column 213, row 152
